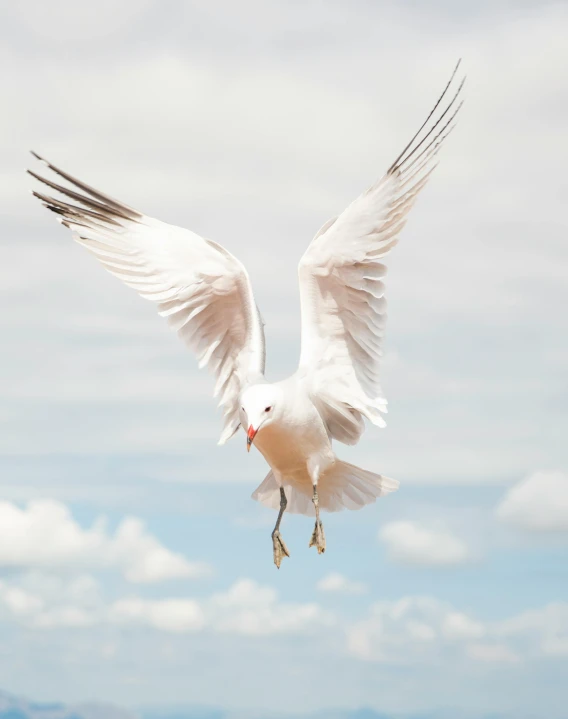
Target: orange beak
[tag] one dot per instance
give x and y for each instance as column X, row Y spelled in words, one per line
column 250, row 436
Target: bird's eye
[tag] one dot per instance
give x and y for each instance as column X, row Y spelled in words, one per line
column 267, row 409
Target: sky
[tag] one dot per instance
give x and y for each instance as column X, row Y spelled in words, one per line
column 134, row 567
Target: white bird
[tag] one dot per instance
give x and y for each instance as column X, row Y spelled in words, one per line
column 206, row 295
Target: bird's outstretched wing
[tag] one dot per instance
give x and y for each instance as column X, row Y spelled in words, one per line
column 341, row 288
column 202, row 290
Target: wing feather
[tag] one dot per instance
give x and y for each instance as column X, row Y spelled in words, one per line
column 201, row 289
column 341, row 289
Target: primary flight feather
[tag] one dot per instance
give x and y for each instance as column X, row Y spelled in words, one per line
column 205, row 294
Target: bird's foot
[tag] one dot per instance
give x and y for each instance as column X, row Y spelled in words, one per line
column 280, row 550
column 318, row 538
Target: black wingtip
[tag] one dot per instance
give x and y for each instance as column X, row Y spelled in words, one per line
column 411, row 148
column 37, row 157
column 35, row 175
column 116, row 207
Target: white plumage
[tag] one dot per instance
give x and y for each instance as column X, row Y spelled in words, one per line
column 206, row 296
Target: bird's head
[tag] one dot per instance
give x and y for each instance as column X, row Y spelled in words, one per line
column 259, row 407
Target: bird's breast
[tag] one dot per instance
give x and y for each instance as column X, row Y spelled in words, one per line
column 287, row 446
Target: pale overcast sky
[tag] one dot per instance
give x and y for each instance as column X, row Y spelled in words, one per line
column 134, row 567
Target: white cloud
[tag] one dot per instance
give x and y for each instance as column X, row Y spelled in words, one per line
column 457, row 625
column 169, row 615
column 248, row 608
column 424, row 628
column 45, row 535
column 67, row 615
column 408, row 630
column 498, row 653
column 538, row 503
column 410, row 543
column 77, row 21
column 54, row 589
column 403, row 630
column 336, row 582
column 46, row 601
column 145, row 560
column 541, row 631
column 245, row 608
column 18, row 601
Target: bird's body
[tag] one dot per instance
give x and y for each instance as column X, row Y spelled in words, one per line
column 299, row 440
column 206, row 295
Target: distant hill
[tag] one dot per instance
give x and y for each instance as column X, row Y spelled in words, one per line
column 12, row 707
column 208, row 713
column 362, row 713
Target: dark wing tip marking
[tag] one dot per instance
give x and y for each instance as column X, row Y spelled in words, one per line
column 425, row 134
column 38, row 157
column 96, row 210
column 100, row 196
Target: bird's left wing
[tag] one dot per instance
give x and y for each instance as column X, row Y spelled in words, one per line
column 341, row 288
column 202, row 290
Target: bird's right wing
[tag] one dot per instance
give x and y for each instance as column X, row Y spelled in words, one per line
column 341, row 288
column 202, row 290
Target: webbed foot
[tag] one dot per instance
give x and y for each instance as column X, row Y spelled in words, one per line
column 280, row 550
column 318, row 538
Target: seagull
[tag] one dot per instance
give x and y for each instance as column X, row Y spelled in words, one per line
column 205, row 294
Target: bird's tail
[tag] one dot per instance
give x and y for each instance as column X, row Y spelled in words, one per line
column 342, row 486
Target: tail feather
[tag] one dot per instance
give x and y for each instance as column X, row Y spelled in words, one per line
column 343, row 486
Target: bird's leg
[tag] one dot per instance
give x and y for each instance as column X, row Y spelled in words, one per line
column 318, row 536
column 279, row 548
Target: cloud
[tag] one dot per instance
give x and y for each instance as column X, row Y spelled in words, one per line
column 246, row 608
column 419, row 629
column 169, row 615
column 410, row 543
column 79, row 23
column 538, row 503
column 45, row 535
column 494, row 653
column 336, row 582
column 19, row 602
column 415, row 629
column 410, row 629
column 541, row 631
column 457, row 625
column 145, row 560
column 404, row 631
column 68, row 616
column 46, row 601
